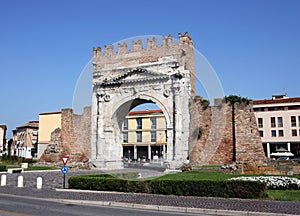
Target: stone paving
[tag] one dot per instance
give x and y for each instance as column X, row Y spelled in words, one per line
column 54, row 180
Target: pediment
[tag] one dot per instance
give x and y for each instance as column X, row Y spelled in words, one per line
column 134, row 76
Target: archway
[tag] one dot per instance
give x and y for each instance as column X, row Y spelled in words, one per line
column 142, row 131
column 126, row 79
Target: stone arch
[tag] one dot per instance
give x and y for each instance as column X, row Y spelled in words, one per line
column 121, row 80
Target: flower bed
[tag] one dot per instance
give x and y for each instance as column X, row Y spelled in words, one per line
column 273, row 182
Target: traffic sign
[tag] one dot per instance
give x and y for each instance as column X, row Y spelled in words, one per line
column 65, row 159
column 64, row 170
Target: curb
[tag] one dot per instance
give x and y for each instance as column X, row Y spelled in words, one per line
column 169, row 208
column 161, row 207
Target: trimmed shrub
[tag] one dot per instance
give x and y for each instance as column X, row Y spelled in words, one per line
column 3, row 167
column 204, row 188
column 236, row 189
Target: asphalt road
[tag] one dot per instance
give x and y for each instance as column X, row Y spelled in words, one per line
column 19, row 206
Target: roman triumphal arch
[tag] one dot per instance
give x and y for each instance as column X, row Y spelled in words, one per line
column 162, row 74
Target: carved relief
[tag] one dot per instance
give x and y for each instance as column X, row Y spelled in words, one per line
column 103, row 96
column 166, row 92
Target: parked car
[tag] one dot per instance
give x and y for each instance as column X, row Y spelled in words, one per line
column 283, row 158
column 296, row 160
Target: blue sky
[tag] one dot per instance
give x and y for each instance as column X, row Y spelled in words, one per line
column 253, row 46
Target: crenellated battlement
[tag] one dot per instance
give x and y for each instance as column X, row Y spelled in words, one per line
column 110, row 57
column 151, row 44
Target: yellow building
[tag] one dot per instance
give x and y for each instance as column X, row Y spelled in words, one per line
column 48, row 122
column 144, row 135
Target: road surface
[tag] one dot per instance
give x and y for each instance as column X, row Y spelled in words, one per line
column 19, row 206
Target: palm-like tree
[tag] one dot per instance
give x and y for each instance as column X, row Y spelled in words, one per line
column 233, row 99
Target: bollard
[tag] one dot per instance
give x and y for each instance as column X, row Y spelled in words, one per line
column 20, row 181
column 39, row 183
column 3, row 180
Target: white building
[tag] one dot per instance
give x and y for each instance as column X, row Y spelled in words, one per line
column 3, row 129
column 278, row 121
column 25, row 137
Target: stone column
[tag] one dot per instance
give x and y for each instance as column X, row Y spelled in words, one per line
column 268, row 150
column 134, row 152
column 94, row 120
column 289, row 146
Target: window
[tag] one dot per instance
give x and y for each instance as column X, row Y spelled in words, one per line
column 259, row 109
column 125, row 124
column 273, row 133
column 125, row 137
column 279, row 122
column 139, row 123
column 273, row 123
column 280, row 133
column 153, row 136
column 166, row 135
column 294, row 132
column 153, row 122
column 139, row 136
column 260, row 122
column 261, row 133
column 293, row 121
column 299, row 121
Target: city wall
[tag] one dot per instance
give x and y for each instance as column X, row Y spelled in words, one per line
column 72, row 139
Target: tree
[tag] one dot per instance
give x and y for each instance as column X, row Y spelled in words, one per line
column 233, row 99
column 9, row 143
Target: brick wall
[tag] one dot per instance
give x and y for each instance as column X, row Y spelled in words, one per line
column 215, row 145
column 73, row 139
column 76, row 134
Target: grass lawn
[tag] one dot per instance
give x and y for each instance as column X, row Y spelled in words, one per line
column 194, row 175
column 283, row 195
column 9, row 166
column 40, row 168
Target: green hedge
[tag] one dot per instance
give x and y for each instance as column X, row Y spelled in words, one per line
column 107, row 184
column 3, row 167
column 204, row 188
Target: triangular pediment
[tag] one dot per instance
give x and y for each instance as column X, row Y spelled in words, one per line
column 135, row 75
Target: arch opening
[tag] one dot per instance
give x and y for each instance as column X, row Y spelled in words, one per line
column 142, row 131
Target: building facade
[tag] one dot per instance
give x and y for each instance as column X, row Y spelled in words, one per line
column 278, row 121
column 48, row 122
column 25, row 138
column 144, row 135
column 3, row 129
